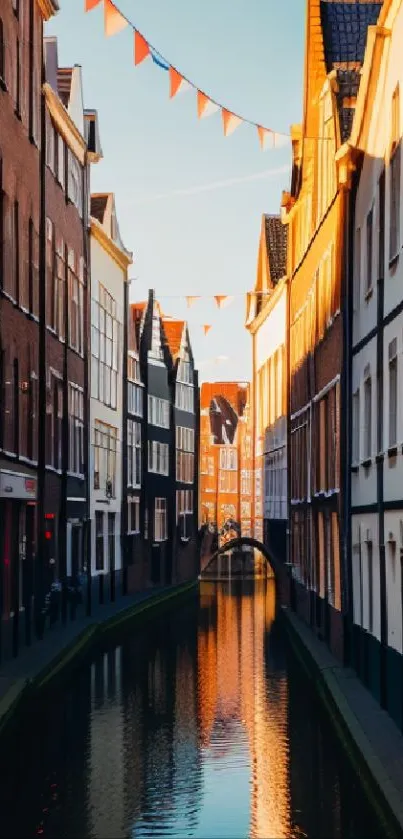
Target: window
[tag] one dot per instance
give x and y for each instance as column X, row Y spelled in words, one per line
column 229, row 482
column 2, row 54
column 76, row 302
column 133, row 515
column 370, row 586
column 356, row 427
column 228, row 459
column 185, row 439
column 9, row 402
column 160, row 520
column 394, row 169
column 50, row 138
column 33, row 269
column 185, row 373
column 156, row 348
column 74, row 182
column 58, row 308
column 16, row 255
column 184, row 512
column 158, row 457
column 61, row 161
column 76, row 430
column 106, row 348
column 357, row 278
column 370, row 225
column 367, row 414
column 105, row 448
column 393, row 393
column 54, row 420
column 158, row 412
column 18, row 78
column 381, row 226
column 134, row 387
column 16, row 7
column 133, row 454
column 99, row 541
column 9, row 248
column 32, row 424
column 50, row 270
column 184, row 397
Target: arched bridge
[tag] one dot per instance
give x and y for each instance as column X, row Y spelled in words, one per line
column 271, row 557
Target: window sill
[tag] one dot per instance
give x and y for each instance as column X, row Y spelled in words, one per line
column 367, row 462
column 368, row 294
column 380, row 457
column 355, row 467
column 185, row 538
column 392, row 451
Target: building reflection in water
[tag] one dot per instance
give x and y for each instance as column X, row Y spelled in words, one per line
column 196, row 725
column 234, row 688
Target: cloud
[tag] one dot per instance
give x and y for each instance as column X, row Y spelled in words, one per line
column 196, row 190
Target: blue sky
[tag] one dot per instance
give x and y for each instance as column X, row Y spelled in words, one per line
column 188, row 234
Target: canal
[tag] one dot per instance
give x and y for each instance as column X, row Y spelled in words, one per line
column 198, row 723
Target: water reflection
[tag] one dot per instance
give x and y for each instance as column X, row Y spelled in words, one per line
column 197, row 725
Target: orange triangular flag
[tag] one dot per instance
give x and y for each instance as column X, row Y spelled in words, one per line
column 90, row 4
column 220, row 299
column 141, row 48
column 191, row 300
column 205, row 107
column 230, row 121
column 264, row 135
column 175, row 80
column 114, row 20
column 206, row 328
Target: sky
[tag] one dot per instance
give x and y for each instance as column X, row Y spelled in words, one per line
column 189, row 201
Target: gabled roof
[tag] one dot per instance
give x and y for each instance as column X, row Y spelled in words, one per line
column 276, row 246
column 173, row 332
column 103, row 209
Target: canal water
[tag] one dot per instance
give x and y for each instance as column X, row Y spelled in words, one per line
column 198, row 723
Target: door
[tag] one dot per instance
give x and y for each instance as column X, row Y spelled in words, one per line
column 111, row 553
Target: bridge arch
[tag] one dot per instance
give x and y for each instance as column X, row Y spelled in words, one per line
column 270, row 556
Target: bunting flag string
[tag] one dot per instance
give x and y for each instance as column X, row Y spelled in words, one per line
column 115, row 21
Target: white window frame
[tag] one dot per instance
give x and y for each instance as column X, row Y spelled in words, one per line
column 393, row 364
column 134, row 466
column 160, row 520
column 158, row 411
column 133, row 509
column 158, row 458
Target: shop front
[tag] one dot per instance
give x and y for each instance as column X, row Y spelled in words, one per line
column 18, row 493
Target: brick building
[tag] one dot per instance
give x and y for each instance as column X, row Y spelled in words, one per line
column 225, row 457
column 21, row 143
column 316, row 213
column 267, row 322
column 71, row 146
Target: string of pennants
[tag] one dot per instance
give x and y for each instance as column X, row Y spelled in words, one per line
column 115, row 21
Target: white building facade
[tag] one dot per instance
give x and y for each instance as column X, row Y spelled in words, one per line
column 109, row 275
column 377, row 367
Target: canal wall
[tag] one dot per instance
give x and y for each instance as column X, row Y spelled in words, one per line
column 54, row 659
column 370, row 738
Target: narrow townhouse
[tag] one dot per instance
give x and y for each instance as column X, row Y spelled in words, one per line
column 245, row 449
column 109, row 276
column 316, row 213
column 71, row 146
column 224, row 405
column 267, row 323
column 377, row 370
column 159, row 489
column 184, row 447
column 21, row 58
column 135, row 464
